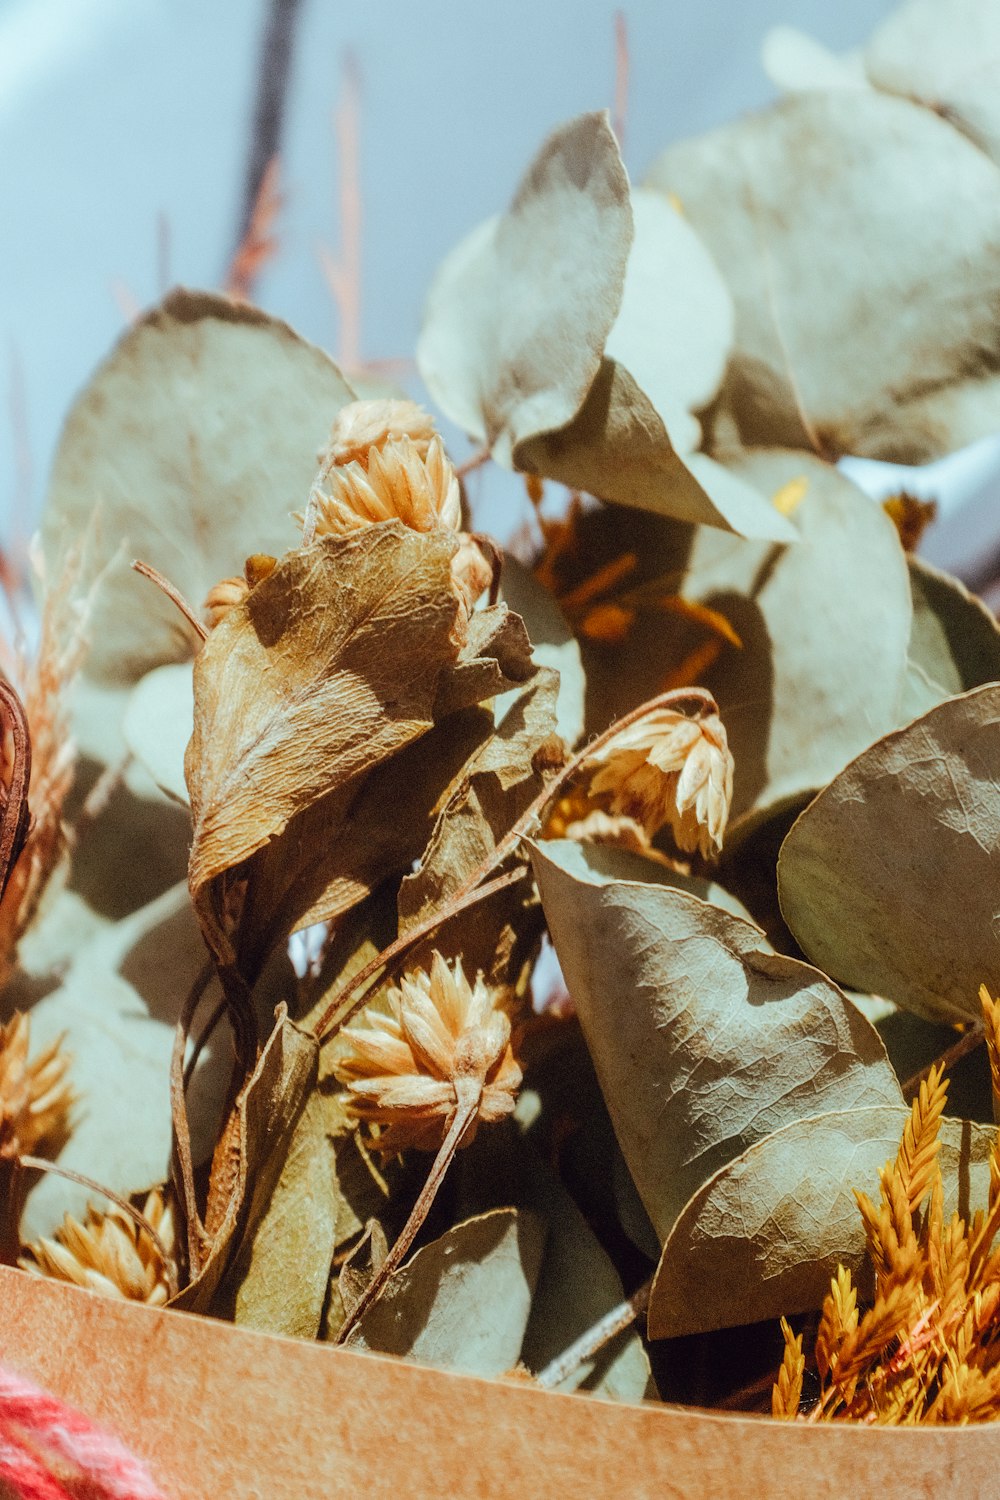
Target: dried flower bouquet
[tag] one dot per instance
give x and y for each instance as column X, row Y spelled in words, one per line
column 296, row 808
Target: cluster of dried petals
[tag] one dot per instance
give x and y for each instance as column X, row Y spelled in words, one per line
column 110, row 1253
column 669, row 768
column 224, row 596
column 405, row 1067
column 35, row 1096
column 398, row 482
column 363, row 426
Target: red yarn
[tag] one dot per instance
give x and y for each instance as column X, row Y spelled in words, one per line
column 48, row 1451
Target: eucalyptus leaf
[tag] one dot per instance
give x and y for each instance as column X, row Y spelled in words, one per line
column 553, row 644
column 278, row 1282
column 618, row 448
column 703, row 1039
column 955, row 639
column 118, row 1006
column 824, row 625
column 762, row 1238
column 519, row 313
column 191, row 443
column 795, row 62
column 889, row 878
column 944, row 54
column 462, row 1302
column 884, row 354
column 674, row 328
column 158, row 723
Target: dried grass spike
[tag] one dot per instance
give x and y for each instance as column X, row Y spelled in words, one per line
column 35, row 1096
column 787, row 1392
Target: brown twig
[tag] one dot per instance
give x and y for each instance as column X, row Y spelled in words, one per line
column 349, row 1001
column 182, row 1160
column 174, row 595
column 15, row 818
column 967, row 1042
column 203, row 1037
column 273, row 75
column 465, row 1113
column 594, row 1340
column 476, row 461
column 38, row 1164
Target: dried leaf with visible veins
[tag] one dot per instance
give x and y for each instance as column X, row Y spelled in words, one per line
column 328, row 667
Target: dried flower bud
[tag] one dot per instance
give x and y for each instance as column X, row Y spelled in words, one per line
column 222, row 598
column 472, row 571
column 362, row 426
column 35, row 1098
column 109, row 1253
column 401, row 1068
column 399, row 483
column 226, row 595
column 670, row 768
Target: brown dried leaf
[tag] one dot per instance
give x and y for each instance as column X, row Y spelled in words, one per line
column 264, row 1121
column 330, row 666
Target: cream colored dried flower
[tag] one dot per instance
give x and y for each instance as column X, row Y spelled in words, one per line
column 670, row 768
column 401, row 482
column 35, row 1097
column 405, row 1068
column 109, row 1253
column 362, row 426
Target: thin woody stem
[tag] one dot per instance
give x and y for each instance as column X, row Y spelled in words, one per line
column 464, row 1116
column 966, row 1043
column 183, row 1162
column 14, row 817
column 594, row 1340
column 38, row 1164
column 355, row 992
column 174, row 595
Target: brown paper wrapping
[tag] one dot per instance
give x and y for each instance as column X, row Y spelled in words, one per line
column 222, row 1413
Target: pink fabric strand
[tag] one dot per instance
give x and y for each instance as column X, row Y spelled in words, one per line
column 43, row 1442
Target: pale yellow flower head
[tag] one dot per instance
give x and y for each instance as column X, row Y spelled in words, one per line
column 35, row 1097
column 669, row 768
column 109, row 1253
column 399, row 483
column 401, row 1065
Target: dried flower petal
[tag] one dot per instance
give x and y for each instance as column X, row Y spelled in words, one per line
column 223, row 597
column 109, row 1253
column 35, row 1098
column 670, row 768
column 401, row 1067
column 399, row 482
column 361, row 426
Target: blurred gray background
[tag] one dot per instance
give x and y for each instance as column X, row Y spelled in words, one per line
column 125, row 135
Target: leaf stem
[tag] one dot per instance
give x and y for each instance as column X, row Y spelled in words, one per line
column 182, row 1161
column 468, row 1106
column 594, row 1340
column 173, row 594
